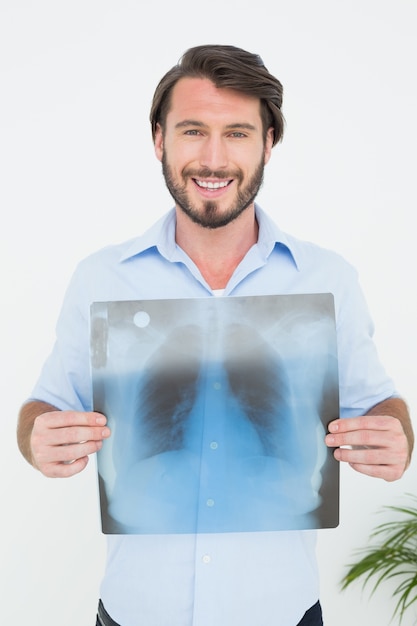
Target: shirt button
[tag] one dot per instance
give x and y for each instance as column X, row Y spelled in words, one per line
column 210, row 502
column 217, row 385
column 214, row 445
column 206, row 558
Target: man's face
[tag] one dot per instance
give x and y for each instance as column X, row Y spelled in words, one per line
column 212, row 151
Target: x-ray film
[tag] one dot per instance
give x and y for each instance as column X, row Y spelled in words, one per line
column 218, row 409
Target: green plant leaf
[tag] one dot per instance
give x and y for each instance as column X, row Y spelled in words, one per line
column 393, row 556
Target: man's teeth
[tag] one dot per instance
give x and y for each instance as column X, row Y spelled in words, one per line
column 209, row 185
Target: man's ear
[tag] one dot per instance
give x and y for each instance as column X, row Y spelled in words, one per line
column 159, row 142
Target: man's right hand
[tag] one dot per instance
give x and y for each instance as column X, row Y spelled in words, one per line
column 59, row 443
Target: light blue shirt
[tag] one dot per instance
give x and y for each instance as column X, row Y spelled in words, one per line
column 212, row 579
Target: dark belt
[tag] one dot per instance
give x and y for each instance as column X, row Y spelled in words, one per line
column 103, row 618
column 312, row 616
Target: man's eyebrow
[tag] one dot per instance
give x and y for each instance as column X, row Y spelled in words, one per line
column 198, row 124
column 185, row 123
column 241, row 125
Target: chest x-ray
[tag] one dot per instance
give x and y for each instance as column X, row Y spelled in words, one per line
column 218, row 409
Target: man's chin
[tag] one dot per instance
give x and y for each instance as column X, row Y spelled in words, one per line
column 210, row 216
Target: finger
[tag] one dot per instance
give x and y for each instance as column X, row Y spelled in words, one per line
column 64, row 470
column 75, row 434
column 56, row 428
column 366, row 430
column 67, row 453
column 366, row 438
column 389, row 465
column 64, row 419
column 365, row 422
column 386, row 472
column 369, row 456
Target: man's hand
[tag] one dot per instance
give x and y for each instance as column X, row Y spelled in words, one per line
column 58, row 443
column 62, row 440
column 377, row 445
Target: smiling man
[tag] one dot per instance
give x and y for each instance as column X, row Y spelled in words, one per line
column 213, row 150
column 215, row 118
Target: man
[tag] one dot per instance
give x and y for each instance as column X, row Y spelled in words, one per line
column 215, row 119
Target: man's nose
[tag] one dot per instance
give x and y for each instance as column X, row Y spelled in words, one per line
column 214, row 153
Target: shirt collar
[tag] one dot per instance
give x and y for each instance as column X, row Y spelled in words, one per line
column 162, row 237
column 270, row 237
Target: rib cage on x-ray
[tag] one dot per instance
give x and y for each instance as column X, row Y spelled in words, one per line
column 169, row 386
column 259, row 376
column 168, row 389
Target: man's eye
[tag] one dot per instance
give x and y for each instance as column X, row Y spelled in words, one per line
column 238, row 134
column 192, row 132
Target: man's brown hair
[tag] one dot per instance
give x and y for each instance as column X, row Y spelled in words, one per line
column 226, row 67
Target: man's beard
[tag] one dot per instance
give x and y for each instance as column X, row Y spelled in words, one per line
column 208, row 216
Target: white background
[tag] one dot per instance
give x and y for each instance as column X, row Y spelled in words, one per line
column 78, row 172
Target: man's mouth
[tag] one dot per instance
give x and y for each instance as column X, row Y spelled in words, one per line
column 212, row 185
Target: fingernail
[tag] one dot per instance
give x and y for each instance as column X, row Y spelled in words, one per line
column 101, row 420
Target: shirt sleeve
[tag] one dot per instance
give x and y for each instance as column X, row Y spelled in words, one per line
column 363, row 381
column 65, row 379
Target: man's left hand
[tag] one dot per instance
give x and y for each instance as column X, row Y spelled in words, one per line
column 376, row 445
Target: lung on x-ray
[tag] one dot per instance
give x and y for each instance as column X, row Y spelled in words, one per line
column 218, row 409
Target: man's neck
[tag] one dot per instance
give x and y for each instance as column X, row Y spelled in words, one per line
column 217, row 252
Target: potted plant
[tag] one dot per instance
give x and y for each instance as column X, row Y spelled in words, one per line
column 392, row 554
